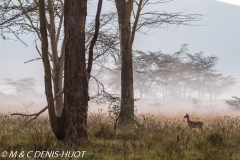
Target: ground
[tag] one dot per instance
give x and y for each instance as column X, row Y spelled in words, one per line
column 160, row 136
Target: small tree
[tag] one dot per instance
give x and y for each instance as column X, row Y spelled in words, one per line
column 22, row 86
column 216, row 84
column 234, row 103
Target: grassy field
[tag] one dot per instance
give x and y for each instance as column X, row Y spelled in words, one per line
column 154, row 137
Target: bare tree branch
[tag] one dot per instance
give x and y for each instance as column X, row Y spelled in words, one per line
column 32, row 60
column 93, row 42
column 38, row 113
column 17, row 36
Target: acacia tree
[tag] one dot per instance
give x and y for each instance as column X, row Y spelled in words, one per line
column 22, row 16
column 22, row 86
column 127, row 30
column 71, row 126
column 145, row 67
column 203, row 67
column 216, row 84
column 184, row 73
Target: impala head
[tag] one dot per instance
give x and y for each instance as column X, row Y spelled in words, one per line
column 186, row 116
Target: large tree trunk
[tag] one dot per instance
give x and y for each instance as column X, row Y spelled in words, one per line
column 56, row 123
column 75, row 79
column 127, row 96
column 124, row 10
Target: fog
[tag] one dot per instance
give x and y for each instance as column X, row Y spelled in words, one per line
column 12, row 102
column 218, row 35
column 143, row 106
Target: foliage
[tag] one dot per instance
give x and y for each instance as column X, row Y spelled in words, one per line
column 215, row 139
column 234, row 103
column 178, row 75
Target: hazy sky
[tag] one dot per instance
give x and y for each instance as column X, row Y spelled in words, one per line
column 219, row 34
column 233, row 2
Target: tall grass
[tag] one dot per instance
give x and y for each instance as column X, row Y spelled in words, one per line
column 156, row 137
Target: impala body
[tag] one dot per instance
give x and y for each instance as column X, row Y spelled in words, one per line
column 192, row 124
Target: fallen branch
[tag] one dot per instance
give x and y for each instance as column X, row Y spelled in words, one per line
column 38, row 113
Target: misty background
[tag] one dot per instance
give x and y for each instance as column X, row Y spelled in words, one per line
column 216, row 34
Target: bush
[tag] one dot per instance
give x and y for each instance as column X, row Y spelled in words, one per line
column 234, row 103
column 215, row 139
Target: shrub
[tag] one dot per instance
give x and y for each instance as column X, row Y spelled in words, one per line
column 215, row 139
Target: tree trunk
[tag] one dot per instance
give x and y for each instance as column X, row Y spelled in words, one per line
column 124, row 10
column 75, row 79
column 56, row 123
column 57, row 62
column 57, row 83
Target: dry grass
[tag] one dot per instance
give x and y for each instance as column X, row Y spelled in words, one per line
column 156, row 137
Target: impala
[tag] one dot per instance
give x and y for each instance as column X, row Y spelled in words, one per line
column 192, row 124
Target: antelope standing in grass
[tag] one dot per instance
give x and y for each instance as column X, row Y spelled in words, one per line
column 192, row 124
